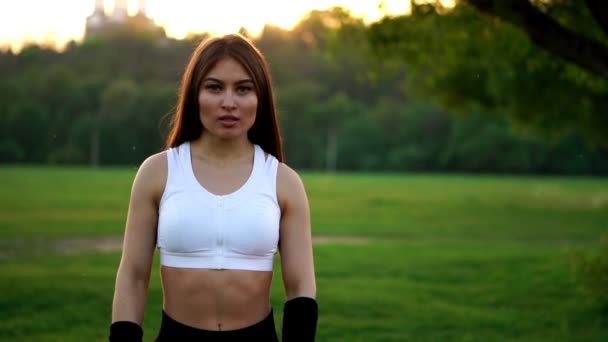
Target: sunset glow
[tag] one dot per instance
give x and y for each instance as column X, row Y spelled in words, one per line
column 57, row 22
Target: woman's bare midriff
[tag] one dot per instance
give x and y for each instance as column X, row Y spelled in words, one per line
column 216, row 299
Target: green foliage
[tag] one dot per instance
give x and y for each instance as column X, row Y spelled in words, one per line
column 591, row 270
column 11, row 152
column 467, row 62
column 105, row 101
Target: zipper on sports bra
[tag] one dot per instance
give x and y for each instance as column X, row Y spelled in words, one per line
column 220, row 241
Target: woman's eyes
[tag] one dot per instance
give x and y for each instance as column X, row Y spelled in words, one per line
column 216, row 88
column 213, row 87
column 243, row 89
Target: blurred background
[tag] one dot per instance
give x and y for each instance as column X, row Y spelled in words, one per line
column 464, row 141
column 485, row 86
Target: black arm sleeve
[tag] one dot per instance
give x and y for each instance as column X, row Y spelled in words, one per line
column 125, row 331
column 300, row 319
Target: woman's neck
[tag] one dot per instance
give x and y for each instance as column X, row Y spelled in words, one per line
column 221, row 150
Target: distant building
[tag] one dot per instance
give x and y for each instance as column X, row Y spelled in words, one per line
column 99, row 23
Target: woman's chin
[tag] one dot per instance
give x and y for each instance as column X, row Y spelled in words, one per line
column 230, row 134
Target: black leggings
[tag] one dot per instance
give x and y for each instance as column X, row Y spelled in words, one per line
column 172, row 330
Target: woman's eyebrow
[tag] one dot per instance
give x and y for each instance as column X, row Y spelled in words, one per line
column 213, row 79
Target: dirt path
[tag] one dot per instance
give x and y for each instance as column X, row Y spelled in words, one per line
column 69, row 246
column 114, row 243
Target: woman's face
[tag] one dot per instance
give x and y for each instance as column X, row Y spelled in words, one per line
column 227, row 100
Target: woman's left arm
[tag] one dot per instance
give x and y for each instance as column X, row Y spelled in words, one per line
column 297, row 265
column 295, row 244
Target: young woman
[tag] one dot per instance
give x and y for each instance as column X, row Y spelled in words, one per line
column 218, row 204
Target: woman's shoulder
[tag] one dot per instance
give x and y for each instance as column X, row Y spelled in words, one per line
column 154, row 163
column 287, row 174
column 290, row 186
column 152, row 173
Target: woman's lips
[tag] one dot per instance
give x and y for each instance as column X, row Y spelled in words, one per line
column 228, row 120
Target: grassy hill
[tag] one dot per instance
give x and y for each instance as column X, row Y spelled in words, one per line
column 422, row 258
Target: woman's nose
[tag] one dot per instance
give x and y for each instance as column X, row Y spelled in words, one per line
column 228, row 100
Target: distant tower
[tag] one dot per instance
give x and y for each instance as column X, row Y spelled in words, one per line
column 100, row 24
column 141, row 8
column 120, row 12
column 97, row 20
column 99, row 6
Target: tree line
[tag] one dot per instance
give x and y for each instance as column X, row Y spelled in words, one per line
column 348, row 99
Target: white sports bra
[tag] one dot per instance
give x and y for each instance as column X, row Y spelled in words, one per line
column 198, row 229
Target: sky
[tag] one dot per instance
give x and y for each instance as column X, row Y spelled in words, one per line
column 56, row 22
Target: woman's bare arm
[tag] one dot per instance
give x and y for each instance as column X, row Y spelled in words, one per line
column 133, row 274
column 295, row 246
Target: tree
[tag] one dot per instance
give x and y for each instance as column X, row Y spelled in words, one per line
column 467, row 62
column 118, row 104
column 548, row 33
column 340, row 107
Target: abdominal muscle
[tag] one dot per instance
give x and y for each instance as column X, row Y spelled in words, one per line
column 216, row 299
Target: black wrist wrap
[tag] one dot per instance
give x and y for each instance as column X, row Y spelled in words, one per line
column 125, row 331
column 300, row 319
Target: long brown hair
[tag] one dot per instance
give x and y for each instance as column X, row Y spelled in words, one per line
column 186, row 124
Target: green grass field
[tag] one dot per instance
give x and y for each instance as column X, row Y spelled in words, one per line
column 445, row 258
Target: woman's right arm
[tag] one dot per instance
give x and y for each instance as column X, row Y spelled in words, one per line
column 133, row 276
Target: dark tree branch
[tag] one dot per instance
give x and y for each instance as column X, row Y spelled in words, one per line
column 546, row 33
column 599, row 10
